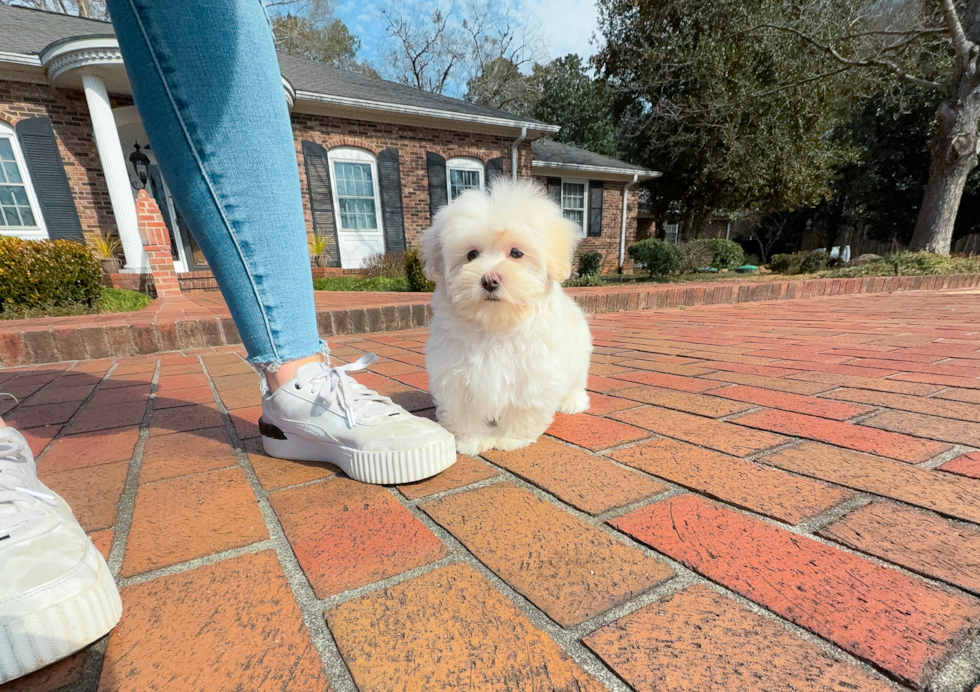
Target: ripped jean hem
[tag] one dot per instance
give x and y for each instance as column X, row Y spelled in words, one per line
column 263, row 366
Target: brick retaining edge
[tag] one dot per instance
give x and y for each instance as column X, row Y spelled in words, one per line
column 67, row 343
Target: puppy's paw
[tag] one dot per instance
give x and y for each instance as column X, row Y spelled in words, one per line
column 576, row 402
column 473, row 446
column 509, row 444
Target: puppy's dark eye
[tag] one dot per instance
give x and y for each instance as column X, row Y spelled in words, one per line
column 515, row 253
column 472, row 255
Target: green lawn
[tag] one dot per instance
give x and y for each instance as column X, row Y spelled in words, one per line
column 361, row 283
column 112, row 300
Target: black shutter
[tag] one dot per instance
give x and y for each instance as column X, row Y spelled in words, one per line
column 321, row 198
column 438, row 193
column 554, row 190
column 495, row 169
column 390, row 185
column 47, row 171
column 595, row 208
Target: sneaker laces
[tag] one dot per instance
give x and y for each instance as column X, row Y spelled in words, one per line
column 335, row 384
column 17, row 502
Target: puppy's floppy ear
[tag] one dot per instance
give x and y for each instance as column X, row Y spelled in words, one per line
column 431, row 252
column 560, row 241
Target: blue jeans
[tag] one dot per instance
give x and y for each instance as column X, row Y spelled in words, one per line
column 207, row 85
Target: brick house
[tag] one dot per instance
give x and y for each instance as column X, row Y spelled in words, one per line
column 68, row 130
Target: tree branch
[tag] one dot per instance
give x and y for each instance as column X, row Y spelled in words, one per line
column 961, row 43
column 873, row 62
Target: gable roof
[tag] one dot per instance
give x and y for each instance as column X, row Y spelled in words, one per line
column 549, row 154
column 312, row 79
column 27, row 32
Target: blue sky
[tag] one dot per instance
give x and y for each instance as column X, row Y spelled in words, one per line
column 567, row 25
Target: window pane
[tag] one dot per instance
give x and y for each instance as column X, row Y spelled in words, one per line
column 27, row 217
column 573, row 215
column 20, row 195
column 355, row 196
column 6, row 150
column 354, row 179
column 13, row 174
column 462, row 180
column 11, row 217
column 573, row 195
column 357, row 214
column 7, row 195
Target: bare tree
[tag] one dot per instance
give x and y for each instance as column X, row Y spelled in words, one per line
column 933, row 46
column 446, row 49
column 92, row 9
column 427, row 50
column 768, row 232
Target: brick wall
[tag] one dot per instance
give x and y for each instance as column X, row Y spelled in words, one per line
column 412, row 143
column 73, row 129
column 607, row 244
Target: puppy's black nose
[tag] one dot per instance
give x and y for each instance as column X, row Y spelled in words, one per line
column 490, row 281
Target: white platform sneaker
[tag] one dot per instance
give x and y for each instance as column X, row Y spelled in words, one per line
column 324, row 415
column 56, row 592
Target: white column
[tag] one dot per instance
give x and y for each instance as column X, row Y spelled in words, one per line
column 116, row 174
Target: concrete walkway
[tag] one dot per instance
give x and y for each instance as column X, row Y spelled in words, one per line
column 764, row 496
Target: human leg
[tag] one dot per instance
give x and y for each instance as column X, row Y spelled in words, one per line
column 206, row 82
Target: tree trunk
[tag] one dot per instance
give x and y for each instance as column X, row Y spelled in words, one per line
column 954, row 155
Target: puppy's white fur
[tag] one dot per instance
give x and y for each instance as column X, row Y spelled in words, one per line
column 501, row 363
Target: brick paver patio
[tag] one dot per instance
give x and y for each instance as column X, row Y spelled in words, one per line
column 764, row 496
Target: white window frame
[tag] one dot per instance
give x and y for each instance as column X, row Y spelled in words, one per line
column 355, row 155
column 464, row 163
column 585, row 201
column 672, row 229
column 40, row 231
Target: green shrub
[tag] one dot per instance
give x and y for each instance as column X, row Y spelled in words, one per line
column 803, row 262
column 361, row 283
column 390, row 264
column 726, row 254
column 785, row 263
column 814, row 261
column 415, row 273
column 586, row 280
column 659, row 257
column 45, row 273
column 695, row 254
column 589, row 264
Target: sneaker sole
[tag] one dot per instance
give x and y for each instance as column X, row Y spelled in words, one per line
column 380, row 468
column 31, row 642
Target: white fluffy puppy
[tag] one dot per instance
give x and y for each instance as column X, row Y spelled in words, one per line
column 507, row 348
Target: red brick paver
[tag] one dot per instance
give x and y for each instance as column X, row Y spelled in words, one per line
column 347, row 534
column 449, row 630
column 229, row 625
column 900, row 624
column 569, row 569
column 798, row 454
column 917, row 540
column 701, row 640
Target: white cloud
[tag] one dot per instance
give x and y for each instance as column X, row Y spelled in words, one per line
column 567, row 25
